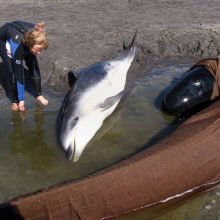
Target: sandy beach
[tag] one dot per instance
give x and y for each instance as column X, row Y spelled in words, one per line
column 84, row 32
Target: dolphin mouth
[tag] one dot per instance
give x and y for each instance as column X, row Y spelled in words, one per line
column 65, row 139
column 71, row 143
column 68, row 144
column 70, row 153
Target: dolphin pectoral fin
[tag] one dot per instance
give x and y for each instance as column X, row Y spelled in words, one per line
column 111, row 101
column 69, row 153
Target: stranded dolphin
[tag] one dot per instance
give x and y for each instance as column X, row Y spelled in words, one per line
column 94, row 96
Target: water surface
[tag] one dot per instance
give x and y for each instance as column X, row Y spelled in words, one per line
column 30, row 158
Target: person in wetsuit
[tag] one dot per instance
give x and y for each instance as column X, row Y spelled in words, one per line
column 196, row 89
column 22, row 41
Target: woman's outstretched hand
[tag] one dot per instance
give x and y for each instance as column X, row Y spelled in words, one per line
column 42, row 100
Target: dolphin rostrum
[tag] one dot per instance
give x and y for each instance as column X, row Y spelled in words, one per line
column 93, row 97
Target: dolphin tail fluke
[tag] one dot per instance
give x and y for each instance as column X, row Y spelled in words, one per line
column 133, row 40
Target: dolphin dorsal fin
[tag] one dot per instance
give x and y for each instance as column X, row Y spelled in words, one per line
column 74, row 74
column 133, row 40
column 78, row 71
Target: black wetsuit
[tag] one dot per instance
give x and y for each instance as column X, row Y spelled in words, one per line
column 190, row 93
column 12, row 34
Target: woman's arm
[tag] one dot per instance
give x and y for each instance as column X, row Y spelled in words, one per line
column 34, row 70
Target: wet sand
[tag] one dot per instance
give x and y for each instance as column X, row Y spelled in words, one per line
column 83, row 32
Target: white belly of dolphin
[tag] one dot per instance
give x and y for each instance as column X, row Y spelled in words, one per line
column 91, row 112
column 86, row 129
column 110, row 86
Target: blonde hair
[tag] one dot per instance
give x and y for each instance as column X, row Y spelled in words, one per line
column 36, row 36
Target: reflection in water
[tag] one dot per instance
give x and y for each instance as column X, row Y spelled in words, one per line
column 30, row 142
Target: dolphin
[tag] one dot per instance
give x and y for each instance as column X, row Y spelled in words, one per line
column 93, row 97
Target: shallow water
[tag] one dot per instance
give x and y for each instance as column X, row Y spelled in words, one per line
column 205, row 206
column 30, row 158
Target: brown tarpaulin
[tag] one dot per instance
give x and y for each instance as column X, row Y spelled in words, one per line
column 187, row 159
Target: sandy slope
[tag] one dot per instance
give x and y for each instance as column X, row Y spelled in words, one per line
column 82, row 32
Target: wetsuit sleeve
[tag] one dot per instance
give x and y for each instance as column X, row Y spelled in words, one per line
column 34, row 70
column 32, row 64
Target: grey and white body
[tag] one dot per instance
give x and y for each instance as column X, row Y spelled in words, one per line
column 94, row 96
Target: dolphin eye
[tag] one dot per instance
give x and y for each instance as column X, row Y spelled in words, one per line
column 74, row 121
